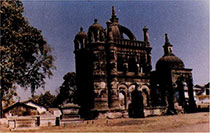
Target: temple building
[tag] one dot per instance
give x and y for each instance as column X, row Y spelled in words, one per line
column 115, row 74
column 170, row 80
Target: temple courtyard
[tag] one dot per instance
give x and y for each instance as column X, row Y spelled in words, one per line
column 194, row 122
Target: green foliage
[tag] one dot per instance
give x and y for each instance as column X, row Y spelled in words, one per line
column 68, row 89
column 8, row 99
column 46, row 99
column 25, row 56
column 34, row 98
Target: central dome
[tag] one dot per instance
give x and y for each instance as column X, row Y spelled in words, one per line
column 81, row 34
column 169, row 62
column 96, row 33
column 95, row 27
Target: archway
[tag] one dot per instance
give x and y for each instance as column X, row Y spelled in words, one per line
column 186, row 92
column 136, row 107
column 122, row 95
column 131, row 88
column 145, row 94
column 180, row 91
column 122, row 99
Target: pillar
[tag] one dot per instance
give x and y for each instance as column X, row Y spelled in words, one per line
column 192, row 106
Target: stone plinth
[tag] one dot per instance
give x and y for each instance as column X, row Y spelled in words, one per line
column 22, row 122
column 69, row 121
column 114, row 115
column 70, row 110
column 154, row 111
column 47, row 121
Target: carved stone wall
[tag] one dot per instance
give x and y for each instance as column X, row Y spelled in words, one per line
column 109, row 67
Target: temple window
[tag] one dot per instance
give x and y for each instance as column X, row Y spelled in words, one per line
column 132, row 65
column 119, row 63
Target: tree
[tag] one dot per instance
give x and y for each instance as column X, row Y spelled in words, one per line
column 8, row 99
column 68, row 89
column 26, row 57
column 46, row 99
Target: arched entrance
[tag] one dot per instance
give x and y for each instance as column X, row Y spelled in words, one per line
column 184, row 93
column 122, row 99
column 145, row 91
column 122, row 95
column 136, row 107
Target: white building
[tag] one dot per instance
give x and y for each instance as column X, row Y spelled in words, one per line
column 39, row 108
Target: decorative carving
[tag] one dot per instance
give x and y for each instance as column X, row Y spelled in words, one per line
column 110, row 36
column 113, row 92
column 97, row 36
column 112, row 55
column 114, row 84
column 101, row 93
column 92, row 37
column 99, row 85
column 99, row 68
column 102, row 36
column 113, row 67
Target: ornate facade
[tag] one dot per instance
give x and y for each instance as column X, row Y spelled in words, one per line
column 110, row 68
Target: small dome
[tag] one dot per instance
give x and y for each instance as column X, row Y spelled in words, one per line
column 95, row 27
column 81, row 34
column 168, row 62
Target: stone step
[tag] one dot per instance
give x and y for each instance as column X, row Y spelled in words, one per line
column 73, row 118
column 70, row 122
column 66, row 120
column 24, row 128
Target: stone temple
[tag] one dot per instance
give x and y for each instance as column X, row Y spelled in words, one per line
column 114, row 74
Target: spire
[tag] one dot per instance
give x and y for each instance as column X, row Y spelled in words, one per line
column 167, row 47
column 114, row 17
column 113, row 12
column 167, row 40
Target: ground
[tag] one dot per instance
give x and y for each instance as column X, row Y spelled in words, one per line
column 197, row 122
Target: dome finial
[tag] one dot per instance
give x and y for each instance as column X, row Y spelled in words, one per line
column 95, row 20
column 166, row 38
column 146, row 34
column 167, row 47
column 114, row 17
column 113, row 11
column 81, row 29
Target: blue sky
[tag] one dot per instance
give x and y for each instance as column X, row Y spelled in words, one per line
column 186, row 22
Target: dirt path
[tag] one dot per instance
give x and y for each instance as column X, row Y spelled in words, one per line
column 197, row 122
column 3, row 128
column 203, row 127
